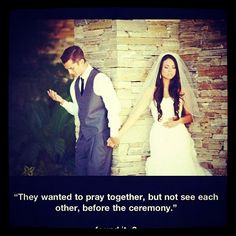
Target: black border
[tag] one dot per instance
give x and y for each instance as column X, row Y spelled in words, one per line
column 139, row 12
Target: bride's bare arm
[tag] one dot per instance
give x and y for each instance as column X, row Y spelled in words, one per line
column 138, row 110
column 141, row 106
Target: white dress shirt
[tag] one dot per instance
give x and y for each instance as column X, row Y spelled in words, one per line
column 102, row 87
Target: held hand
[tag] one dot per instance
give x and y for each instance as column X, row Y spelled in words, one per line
column 113, row 142
column 54, row 96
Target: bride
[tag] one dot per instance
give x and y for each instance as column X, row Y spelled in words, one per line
column 173, row 104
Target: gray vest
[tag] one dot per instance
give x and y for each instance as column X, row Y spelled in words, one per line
column 92, row 110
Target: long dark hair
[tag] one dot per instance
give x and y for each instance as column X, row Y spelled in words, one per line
column 174, row 88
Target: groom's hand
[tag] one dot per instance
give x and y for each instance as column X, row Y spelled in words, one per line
column 54, row 96
column 113, row 142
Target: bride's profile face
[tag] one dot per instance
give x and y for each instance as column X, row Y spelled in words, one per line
column 168, row 69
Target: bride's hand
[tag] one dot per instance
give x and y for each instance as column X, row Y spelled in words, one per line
column 171, row 123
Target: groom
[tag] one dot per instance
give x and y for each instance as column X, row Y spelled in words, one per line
column 96, row 108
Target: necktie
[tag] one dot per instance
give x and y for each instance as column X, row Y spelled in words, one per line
column 82, row 86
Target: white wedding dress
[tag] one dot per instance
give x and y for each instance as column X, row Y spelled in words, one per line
column 172, row 149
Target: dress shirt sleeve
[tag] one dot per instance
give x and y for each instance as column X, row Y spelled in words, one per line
column 69, row 106
column 103, row 87
column 72, row 108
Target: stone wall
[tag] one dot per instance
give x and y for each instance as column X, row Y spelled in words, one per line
column 126, row 49
column 139, row 42
column 204, row 48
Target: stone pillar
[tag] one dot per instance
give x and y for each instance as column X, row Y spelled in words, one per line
column 126, row 50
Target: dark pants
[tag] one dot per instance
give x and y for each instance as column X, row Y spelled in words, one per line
column 92, row 156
